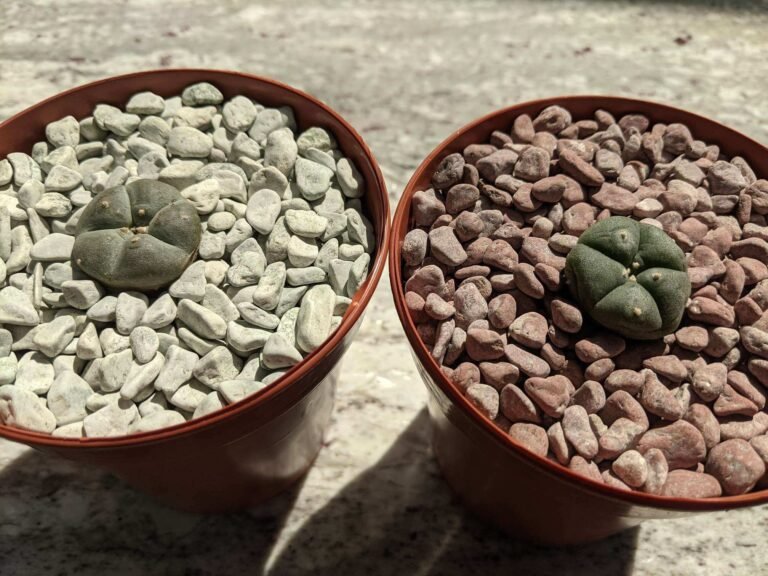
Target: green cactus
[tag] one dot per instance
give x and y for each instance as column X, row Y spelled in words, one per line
column 629, row 277
column 140, row 236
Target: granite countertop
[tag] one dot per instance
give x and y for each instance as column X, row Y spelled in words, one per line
column 405, row 75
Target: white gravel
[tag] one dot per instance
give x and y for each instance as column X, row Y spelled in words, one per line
column 283, row 239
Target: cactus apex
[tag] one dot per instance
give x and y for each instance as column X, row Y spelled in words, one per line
column 630, row 278
column 140, row 236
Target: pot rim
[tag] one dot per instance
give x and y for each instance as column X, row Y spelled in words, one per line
column 478, row 420
column 304, row 368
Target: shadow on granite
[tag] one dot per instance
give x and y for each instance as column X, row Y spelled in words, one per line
column 57, row 517
column 397, row 517
column 392, row 519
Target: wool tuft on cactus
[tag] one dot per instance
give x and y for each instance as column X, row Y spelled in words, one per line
column 140, row 236
column 629, row 277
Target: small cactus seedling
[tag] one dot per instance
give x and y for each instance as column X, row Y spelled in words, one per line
column 629, row 277
column 140, row 236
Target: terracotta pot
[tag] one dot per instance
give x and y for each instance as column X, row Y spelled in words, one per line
column 251, row 450
column 527, row 495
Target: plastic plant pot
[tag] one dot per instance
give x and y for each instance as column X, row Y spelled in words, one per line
column 528, row 496
column 256, row 448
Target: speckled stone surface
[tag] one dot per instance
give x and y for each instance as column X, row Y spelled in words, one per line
column 405, row 74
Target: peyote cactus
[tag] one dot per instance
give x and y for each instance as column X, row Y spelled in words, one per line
column 140, row 236
column 629, row 277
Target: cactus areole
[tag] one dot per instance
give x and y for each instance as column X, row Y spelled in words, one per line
column 629, row 277
column 140, row 236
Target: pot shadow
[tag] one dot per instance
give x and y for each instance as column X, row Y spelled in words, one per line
column 58, row 517
column 399, row 516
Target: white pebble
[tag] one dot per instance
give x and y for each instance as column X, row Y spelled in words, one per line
column 16, row 308
column 129, row 311
column 262, row 210
column 209, row 405
column 236, row 390
column 88, row 345
column 191, row 283
column 23, row 409
column 267, row 292
column 74, row 430
column 305, row 276
column 358, row 274
column 145, row 103
column 216, row 366
column 67, row 398
column 160, row 313
column 82, row 294
column 201, row 321
column 248, row 269
column 279, row 353
column 221, row 221
column 188, row 142
column 302, row 251
column 54, row 247
column 306, row 223
column 103, row 310
column 204, row 195
column 312, row 179
column 178, row 368
column 201, row 94
column 189, row 396
column 349, row 178
column 155, row 403
column 62, row 179
column 281, row 150
column 8, row 367
column 112, row 420
column 338, row 275
column 315, row 314
column 35, row 373
column 144, row 344
column 54, row 336
column 238, row 114
column 217, row 301
column 141, row 376
column 156, row 421
column 114, row 369
column 30, row 194
column 244, row 338
column 258, row 317
column 63, row 132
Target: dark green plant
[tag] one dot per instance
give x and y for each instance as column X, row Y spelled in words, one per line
column 629, row 277
column 140, row 236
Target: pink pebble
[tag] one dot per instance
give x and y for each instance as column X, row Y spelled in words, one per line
column 499, row 374
column 529, row 329
column 485, row 398
column 578, row 431
column 657, row 469
column 632, row 468
column 682, row 444
column 736, row 465
column 531, row 436
column 689, row 484
column 590, row 395
column 551, row 394
column 585, row 468
column 558, row 444
column 516, row 406
column 484, row 345
column 611, row 479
